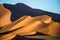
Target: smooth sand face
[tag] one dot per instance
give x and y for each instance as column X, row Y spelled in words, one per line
column 54, row 29
column 43, row 28
column 31, row 25
column 27, row 29
column 44, row 18
column 25, row 20
column 7, row 37
column 5, row 15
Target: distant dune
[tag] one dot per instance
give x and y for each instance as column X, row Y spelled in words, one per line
column 18, row 10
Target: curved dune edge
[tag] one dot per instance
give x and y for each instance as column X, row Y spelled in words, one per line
column 17, row 24
column 21, row 30
column 29, row 25
column 5, row 15
column 44, row 18
column 54, row 29
column 46, row 30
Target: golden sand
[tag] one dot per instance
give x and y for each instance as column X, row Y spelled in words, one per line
column 29, row 25
column 4, row 16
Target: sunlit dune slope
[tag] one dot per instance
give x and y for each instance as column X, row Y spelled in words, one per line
column 25, row 20
column 54, row 29
column 26, row 25
column 5, row 15
column 23, row 31
column 32, row 27
column 43, row 18
column 43, row 27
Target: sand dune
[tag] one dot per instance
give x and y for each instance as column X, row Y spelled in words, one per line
column 26, row 25
column 5, row 15
column 23, row 30
column 44, row 18
column 54, row 29
column 25, row 20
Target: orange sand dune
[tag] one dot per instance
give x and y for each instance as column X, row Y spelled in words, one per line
column 29, row 25
column 43, row 18
column 54, row 29
column 23, row 30
column 4, row 16
column 17, row 24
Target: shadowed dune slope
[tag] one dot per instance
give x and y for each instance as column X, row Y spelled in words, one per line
column 18, row 10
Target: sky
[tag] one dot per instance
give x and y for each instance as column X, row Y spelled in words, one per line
column 47, row 5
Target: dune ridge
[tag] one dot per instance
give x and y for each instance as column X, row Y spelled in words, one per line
column 29, row 25
column 5, row 15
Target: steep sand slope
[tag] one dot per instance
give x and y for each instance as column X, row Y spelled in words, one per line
column 54, row 29
column 25, row 20
column 44, row 18
column 26, row 25
column 46, row 21
column 5, row 15
column 22, row 30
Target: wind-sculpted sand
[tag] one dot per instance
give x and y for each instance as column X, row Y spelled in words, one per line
column 26, row 25
column 5, row 15
column 17, row 24
column 44, row 18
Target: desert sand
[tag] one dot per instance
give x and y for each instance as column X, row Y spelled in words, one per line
column 5, row 15
column 26, row 25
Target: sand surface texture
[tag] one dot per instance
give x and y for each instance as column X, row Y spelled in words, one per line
column 26, row 25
